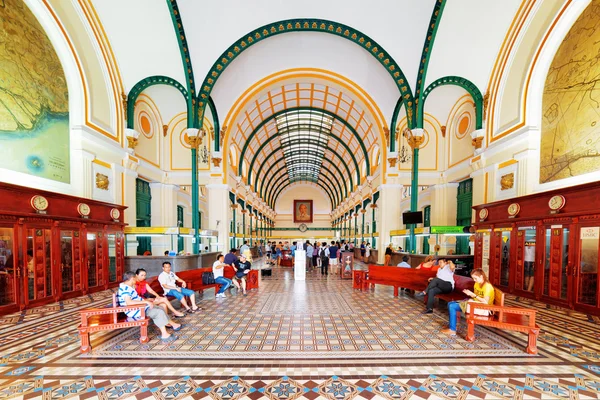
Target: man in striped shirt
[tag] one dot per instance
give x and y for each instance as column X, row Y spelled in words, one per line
column 127, row 296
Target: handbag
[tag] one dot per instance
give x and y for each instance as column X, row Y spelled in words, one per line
column 464, row 306
column 208, row 278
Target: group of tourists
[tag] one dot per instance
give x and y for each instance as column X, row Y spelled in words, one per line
column 135, row 291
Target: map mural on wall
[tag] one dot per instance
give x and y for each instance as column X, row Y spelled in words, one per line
column 34, row 106
column 570, row 143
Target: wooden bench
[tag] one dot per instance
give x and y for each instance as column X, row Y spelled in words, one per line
column 408, row 278
column 108, row 319
column 508, row 318
column 460, row 283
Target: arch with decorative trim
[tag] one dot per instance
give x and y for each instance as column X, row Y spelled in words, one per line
column 289, row 183
column 464, row 83
column 302, row 25
column 144, row 84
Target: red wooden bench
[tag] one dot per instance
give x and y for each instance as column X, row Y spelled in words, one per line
column 108, row 319
column 460, row 283
column 415, row 279
column 508, row 318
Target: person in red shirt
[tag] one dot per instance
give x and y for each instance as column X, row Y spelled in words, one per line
column 145, row 291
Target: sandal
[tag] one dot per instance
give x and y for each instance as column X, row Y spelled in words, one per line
column 190, row 311
column 179, row 316
column 169, row 339
column 178, row 328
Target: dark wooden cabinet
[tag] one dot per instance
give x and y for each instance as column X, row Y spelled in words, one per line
column 542, row 251
column 51, row 250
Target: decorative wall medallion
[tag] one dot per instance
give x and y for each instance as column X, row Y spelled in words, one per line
column 39, row 203
column 83, row 210
column 102, row 181
column 514, row 209
column 303, row 228
column 507, row 181
column 483, row 214
column 556, row 203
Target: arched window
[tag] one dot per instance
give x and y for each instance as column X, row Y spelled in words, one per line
column 233, row 157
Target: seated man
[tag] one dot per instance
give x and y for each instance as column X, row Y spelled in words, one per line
column 242, row 268
column 127, row 296
column 230, row 258
column 168, row 281
column 404, row 263
column 145, row 291
column 218, row 269
column 442, row 283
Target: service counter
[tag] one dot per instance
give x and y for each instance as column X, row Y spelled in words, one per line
column 463, row 262
column 153, row 264
column 373, row 257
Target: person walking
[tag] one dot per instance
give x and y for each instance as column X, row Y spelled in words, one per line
column 324, row 257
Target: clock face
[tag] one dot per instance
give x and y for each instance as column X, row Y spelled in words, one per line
column 83, row 209
column 39, row 203
column 514, row 209
column 556, row 202
column 483, row 213
column 303, row 228
column 115, row 213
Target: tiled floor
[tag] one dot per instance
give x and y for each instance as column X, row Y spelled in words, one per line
column 298, row 340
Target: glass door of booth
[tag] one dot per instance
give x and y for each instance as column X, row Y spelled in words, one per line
column 9, row 272
column 71, row 260
column 95, row 260
column 526, row 260
column 556, row 270
column 38, row 280
column 585, row 270
column 114, row 242
column 501, row 257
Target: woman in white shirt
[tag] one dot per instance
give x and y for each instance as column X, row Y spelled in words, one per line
column 367, row 252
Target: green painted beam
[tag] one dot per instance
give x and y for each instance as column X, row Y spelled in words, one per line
column 264, row 184
column 301, row 25
column 216, row 124
column 144, row 84
column 327, row 112
column 338, row 196
column 434, row 23
column 466, row 84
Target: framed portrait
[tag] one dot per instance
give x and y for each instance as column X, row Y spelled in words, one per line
column 303, row 211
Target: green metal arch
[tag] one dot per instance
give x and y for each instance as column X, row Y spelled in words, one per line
column 301, row 25
column 145, row 83
column 216, row 124
column 286, row 184
column 329, row 113
column 279, row 182
column 335, row 195
column 466, row 84
column 272, row 165
column 394, row 121
column 269, row 192
column 434, row 23
column 187, row 62
column 264, row 184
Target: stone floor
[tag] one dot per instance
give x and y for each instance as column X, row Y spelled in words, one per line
column 298, row 340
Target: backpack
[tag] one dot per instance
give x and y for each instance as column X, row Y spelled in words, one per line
column 208, row 278
column 322, row 254
column 346, row 248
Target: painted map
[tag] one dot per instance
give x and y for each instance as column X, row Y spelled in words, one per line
column 34, row 119
column 571, row 105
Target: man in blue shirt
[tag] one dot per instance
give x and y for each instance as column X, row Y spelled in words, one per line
column 333, row 258
column 293, row 248
column 127, row 296
column 231, row 258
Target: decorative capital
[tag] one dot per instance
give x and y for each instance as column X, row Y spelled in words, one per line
column 165, row 129
column 486, row 99
column 244, row 211
column 222, row 135
column 414, row 137
column 477, row 142
column 216, row 162
column 386, row 132
column 124, row 101
column 233, row 206
column 193, row 138
column 393, row 161
column 131, row 142
column 363, row 211
column 507, row 181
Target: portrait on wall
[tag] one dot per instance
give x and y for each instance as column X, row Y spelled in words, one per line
column 303, row 211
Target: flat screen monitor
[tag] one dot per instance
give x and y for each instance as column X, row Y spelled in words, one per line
column 412, row 217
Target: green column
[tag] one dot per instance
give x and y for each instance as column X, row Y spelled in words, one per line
column 195, row 211
column 363, row 226
column 373, row 229
column 234, row 229
column 414, row 197
column 355, row 228
column 251, row 218
column 243, row 227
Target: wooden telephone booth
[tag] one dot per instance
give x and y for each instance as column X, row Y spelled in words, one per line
column 544, row 246
column 54, row 247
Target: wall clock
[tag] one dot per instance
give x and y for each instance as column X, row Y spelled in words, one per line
column 115, row 213
column 483, row 213
column 557, row 202
column 514, row 209
column 39, row 203
column 303, row 228
column 83, row 209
